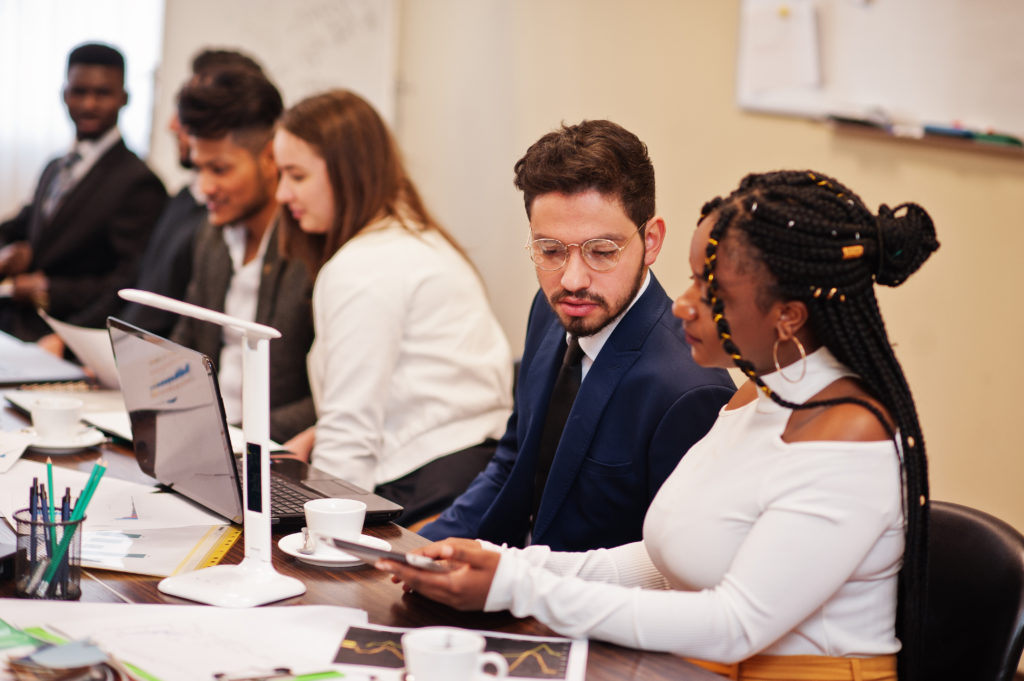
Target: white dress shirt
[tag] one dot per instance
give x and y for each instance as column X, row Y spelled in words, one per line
column 240, row 301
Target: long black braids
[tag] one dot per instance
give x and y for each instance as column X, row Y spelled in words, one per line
column 825, row 248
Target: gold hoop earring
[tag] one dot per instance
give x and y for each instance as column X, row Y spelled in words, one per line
column 803, row 360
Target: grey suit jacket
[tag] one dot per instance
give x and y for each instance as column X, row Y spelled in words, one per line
column 284, row 302
column 90, row 247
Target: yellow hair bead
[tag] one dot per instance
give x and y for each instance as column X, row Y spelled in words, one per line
column 718, row 317
column 712, row 241
column 852, row 252
column 910, row 441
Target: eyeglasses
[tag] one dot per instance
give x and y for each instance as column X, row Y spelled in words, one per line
column 600, row 255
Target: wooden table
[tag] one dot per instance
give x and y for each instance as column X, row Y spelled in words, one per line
column 363, row 587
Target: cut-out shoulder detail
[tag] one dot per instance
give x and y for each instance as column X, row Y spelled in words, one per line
column 847, row 422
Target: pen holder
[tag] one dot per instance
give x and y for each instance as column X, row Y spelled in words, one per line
column 48, row 563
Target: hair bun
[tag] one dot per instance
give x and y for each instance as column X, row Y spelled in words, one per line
column 904, row 242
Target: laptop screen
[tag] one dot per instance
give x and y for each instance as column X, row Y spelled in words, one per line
column 177, row 418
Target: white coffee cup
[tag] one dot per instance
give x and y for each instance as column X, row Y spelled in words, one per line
column 449, row 654
column 342, row 518
column 56, row 419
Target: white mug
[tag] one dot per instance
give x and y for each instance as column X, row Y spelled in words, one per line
column 342, row 518
column 56, row 419
column 449, row 654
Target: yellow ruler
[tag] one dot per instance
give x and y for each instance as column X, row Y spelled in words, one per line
column 210, row 549
column 221, row 546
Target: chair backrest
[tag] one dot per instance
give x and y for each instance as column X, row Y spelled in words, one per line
column 975, row 617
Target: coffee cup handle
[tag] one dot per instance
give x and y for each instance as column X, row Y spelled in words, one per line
column 498, row 661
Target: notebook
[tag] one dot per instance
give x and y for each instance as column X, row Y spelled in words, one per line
column 180, row 434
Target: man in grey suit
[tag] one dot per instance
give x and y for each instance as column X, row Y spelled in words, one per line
column 166, row 266
column 79, row 240
column 229, row 116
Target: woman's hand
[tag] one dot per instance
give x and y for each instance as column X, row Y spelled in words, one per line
column 299, row 446
column 463, row 588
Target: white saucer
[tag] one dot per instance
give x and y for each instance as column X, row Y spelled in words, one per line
column 83, row 439
column 327, row 556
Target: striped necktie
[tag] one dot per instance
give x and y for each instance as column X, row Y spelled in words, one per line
column 61, row 184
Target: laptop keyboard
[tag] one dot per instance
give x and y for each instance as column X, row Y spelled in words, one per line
column 286, row 497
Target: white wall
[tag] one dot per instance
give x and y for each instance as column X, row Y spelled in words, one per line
column 305, row 47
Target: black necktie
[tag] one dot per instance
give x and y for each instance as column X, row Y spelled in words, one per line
column 61, row 183
column 563, row 394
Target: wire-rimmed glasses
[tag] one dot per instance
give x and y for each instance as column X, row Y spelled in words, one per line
column 600, row 255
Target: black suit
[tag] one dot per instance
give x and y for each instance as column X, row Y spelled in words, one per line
column 166, row 266
column 284, row 302
column 90, row 247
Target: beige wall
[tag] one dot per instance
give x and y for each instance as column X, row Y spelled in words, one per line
column 482, row 79
column 479, row 80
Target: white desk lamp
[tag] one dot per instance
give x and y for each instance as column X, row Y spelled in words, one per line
column 254, row 581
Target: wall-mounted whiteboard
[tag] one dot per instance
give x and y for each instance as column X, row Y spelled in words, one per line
column 932, row 62
column 306, row 46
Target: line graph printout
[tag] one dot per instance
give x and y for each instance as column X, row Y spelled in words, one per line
column 529, row 657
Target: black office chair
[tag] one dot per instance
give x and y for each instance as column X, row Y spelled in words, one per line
column 975, row 620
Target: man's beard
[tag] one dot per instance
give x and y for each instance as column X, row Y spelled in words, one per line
column 580, row 326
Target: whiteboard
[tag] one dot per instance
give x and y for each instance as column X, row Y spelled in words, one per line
column 305, row 46
column 936, row 62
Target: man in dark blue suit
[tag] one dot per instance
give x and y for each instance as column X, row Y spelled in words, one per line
column 640, row 401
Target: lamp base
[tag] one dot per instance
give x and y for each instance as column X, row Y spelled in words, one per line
column 233, row 586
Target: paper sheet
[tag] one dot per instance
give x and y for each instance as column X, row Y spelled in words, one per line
column 129, row 527
column 185, row 642
column 377, row 650
column 91, row 346
column 778, row 48
column 12, row 445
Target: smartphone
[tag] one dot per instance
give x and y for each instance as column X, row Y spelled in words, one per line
column 370, row 554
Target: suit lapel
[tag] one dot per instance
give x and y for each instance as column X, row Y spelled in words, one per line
column 270, row 271
column 619, row 353
column 77, row 202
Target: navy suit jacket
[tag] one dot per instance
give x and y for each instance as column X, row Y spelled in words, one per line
column 166, row 265
column 643, row 403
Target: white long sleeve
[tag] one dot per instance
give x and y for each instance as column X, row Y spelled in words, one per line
column 409, row 363
column 769, row 547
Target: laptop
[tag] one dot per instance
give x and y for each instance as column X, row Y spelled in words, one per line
column 28, row 363
column 180, row 435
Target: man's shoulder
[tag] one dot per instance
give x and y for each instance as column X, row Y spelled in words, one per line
column 121, row 160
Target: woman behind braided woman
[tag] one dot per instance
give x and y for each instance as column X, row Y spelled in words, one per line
column 790, row 541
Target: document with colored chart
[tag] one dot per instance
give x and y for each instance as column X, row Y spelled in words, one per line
column 378, row 650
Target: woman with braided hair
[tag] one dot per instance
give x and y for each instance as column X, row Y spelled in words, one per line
column 781, row 545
